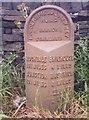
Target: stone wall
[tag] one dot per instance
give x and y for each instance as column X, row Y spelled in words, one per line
column 13, row 39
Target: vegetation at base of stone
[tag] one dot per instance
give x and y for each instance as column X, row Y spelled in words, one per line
column 12, row 82
column 74, row 111
column 81, row 70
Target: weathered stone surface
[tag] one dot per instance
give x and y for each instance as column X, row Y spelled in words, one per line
column 83, row 13
column 76, row 6
column 82, row 23
column 8, row 24
column 66, row 6
column 33, row 6
column 7, row 5
column 3, row 30
column 83, row 31
column 13, row 18
column 15, row 4
column 12, row 46
column 84, row 4
column 12, row 37
column 49, row 35
column 8, row 31
column 0, row 10
column 10, row 12
column 56, row 3
column 17, row 31
column 84, row 27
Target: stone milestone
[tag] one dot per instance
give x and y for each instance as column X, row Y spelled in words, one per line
column 49, row 51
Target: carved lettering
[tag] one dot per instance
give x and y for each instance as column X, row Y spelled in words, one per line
column 36, row 75
column 49, row 38
column 60, row 59
column 37, row 59
column 53, row 19
column 46, row 30
column 61, row 75
column 44, row 59
column 37, row 66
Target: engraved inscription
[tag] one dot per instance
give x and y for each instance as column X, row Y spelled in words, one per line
column 37, row 66
column 37, row 59
column 36, row 63
column 37, row 83
column 50, row 22
column 50, row 59
column 36, row 75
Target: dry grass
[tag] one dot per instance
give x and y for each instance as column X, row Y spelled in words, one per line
column 75, row 111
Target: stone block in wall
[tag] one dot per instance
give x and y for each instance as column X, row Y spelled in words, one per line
column 15, row 4
column 3, row 30
column 66, row 6
column 0, row 4
column 56, row 3
column 84, row 5
column 83, row 26
column 8, row 24
column 12, row 46
column 0, row 18
column 12, row 37
column 0, row 10
column 83, row 13
column 33, row 5
column 7, row 5
column 10, row 12
column 13, row 18
column 8, row 31
column 76, row 6
column 18, row 32
column 83, row 18
column 82, row 22
column 82, row 31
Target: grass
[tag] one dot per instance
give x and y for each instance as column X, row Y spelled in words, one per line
column 75, row 111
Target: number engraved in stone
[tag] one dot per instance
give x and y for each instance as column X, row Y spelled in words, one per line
column 36, row 66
